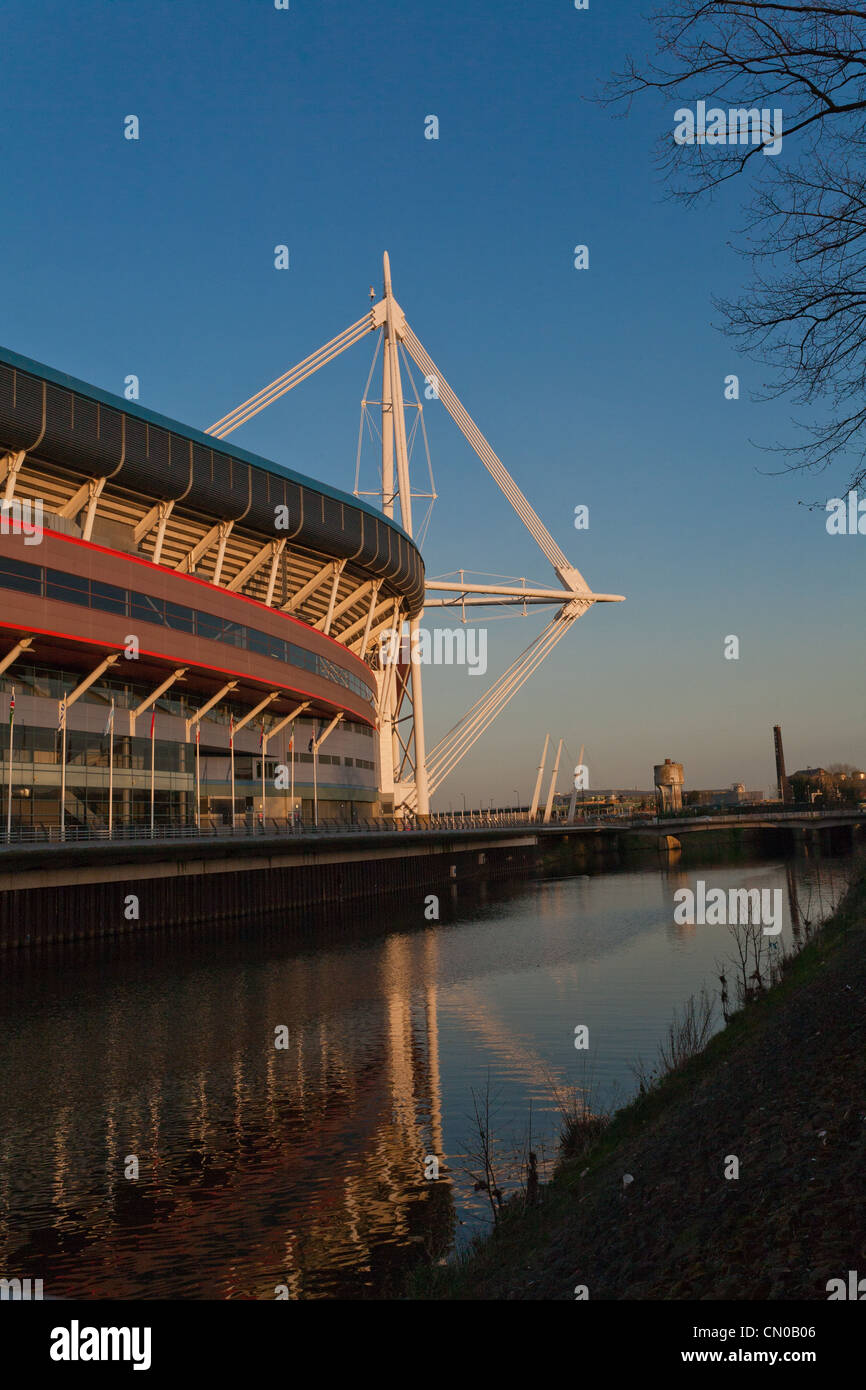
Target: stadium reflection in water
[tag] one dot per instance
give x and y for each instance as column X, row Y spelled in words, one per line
column 303, row 1168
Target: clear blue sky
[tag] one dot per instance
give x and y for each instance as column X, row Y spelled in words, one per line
column 602, row 387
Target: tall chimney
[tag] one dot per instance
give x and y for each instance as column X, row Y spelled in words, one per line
column 784, row 786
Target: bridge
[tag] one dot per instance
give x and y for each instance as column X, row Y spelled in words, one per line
column 427, row 829
column 87, row 885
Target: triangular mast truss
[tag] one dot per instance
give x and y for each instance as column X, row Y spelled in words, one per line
column 409, row 775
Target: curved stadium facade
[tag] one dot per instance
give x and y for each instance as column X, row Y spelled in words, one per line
column 212, row 596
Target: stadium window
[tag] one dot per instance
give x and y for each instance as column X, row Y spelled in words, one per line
column 107, row 597
column 146, row 608
column 69, row 588
column 14, row 574
column 206, row 625
column 179, row 618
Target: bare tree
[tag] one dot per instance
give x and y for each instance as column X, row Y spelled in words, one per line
column 758, row 962
column 483, row 1154
column 804, row 313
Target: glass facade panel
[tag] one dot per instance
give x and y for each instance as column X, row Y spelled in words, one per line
column 70, row 588
column 206, row 625
column 180, row 618
column 145, row 608
column 14, row 574
column 108, row 597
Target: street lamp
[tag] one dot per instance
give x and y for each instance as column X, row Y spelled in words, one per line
column 517, row 799
column 463, row 794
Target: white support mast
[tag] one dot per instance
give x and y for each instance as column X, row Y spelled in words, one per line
column 394, row 443
column 549, row 807
column 533, row 810
column 400, row 756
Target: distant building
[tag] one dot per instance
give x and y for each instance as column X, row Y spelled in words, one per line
column 724, row 796
column 812, row 783
column 735, row 795
column 668, row 778
column 606, row 801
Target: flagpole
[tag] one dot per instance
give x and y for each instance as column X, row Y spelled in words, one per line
column 292, row 750
column 9, row 795
column 197, row 776
column 63, row 770
column 111, row 772
column 264, row 751
column 316, row 782
column 232, row 747
column 152, row 784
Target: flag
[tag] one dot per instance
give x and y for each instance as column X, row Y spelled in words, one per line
column 152, row 719
column 197, row 732
column 313, row 739
column 61, row 724
column 109, row 723
column 231, row 731
column 262, row 735
column 12, row 708
column 292, row 740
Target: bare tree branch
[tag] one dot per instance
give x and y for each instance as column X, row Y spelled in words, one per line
column 803, row 314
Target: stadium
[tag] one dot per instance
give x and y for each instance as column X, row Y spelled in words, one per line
column 189, row 631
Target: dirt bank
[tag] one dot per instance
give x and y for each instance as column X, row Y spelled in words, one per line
column 782, row 1088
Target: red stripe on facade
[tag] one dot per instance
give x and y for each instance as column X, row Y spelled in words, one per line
column 196, row 665
column 194, row 579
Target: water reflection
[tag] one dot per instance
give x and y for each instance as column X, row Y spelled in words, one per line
column 304, row 1167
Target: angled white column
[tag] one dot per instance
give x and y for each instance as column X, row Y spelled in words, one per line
column 533, row 810
column 278, row 728
column 154, row 696
column 188, row 562
column 317, row 742
column 24, row 645
column 225, row 531
column 206, row 708
column 279, row 547
column 310, row 587
column 165, row 511
column 252, row 566
column 10, row 467
column 88, row 680
column 549, row 807
column 263, row 704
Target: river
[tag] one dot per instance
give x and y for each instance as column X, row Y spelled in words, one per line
column 157, row 1142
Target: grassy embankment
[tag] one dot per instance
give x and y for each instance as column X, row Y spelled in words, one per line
column 783, row 1089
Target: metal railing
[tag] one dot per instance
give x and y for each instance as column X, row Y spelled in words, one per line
column 275, row 828
column 272, row 829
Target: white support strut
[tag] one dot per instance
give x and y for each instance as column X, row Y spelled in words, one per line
column 573, row 593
